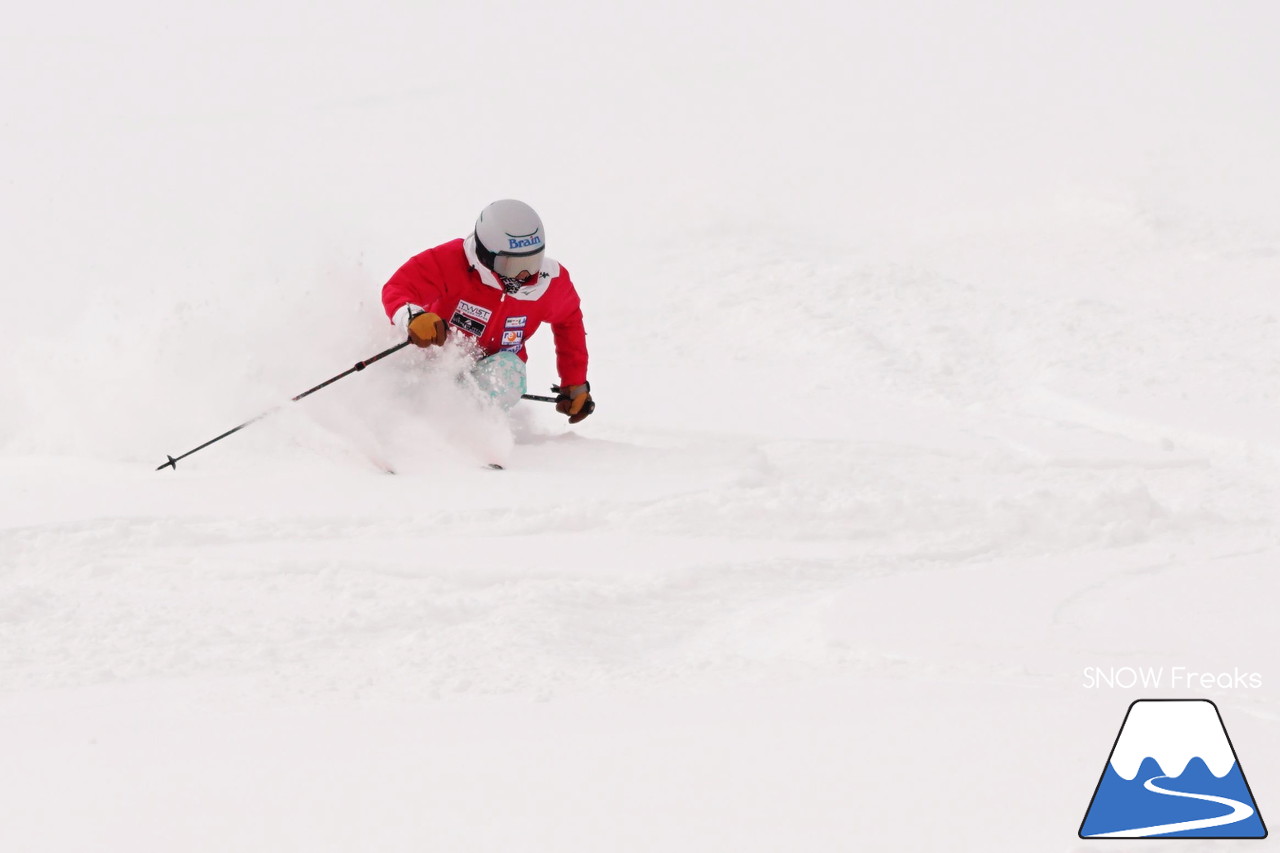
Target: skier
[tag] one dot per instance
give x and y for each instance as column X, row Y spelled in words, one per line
column 496, row 287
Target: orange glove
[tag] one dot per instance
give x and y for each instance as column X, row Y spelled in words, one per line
column 575, row 401
column 427, row 330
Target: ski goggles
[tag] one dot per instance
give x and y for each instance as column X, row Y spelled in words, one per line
column 519, row 267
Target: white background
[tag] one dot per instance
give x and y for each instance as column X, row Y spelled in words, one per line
column 935, row 347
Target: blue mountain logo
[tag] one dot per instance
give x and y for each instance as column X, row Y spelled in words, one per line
column 1173, row 773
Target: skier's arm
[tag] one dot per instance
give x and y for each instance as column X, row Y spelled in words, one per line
column 414, row 288
column 570, row 336
column 571, row 346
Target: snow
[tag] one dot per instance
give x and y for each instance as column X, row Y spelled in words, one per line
column 1172, row 733
column 936, row 359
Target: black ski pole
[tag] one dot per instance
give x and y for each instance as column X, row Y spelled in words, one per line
column 173, row 461
column 591, row 404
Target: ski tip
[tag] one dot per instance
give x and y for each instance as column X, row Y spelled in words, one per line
column 496, row 467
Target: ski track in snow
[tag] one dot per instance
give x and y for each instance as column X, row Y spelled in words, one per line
column 709, row 558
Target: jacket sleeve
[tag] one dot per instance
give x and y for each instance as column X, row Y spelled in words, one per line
column 571, row 340
column 418, row 282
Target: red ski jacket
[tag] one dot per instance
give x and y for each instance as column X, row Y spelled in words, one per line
column 450, row 281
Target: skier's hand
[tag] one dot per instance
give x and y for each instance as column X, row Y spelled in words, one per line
column 426, row 330
column 575, row 401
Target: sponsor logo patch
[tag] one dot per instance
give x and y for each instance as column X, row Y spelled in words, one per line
column 464, row 323
column 474, row 311
column 470, row 318
column 512, row 338
column 516, row 322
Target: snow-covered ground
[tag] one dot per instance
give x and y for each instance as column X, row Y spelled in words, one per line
column 937, row 356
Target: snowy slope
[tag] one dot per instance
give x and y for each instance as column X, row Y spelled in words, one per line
column 936, row 357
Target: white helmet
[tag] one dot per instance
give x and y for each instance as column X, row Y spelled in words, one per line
column 510, row 241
